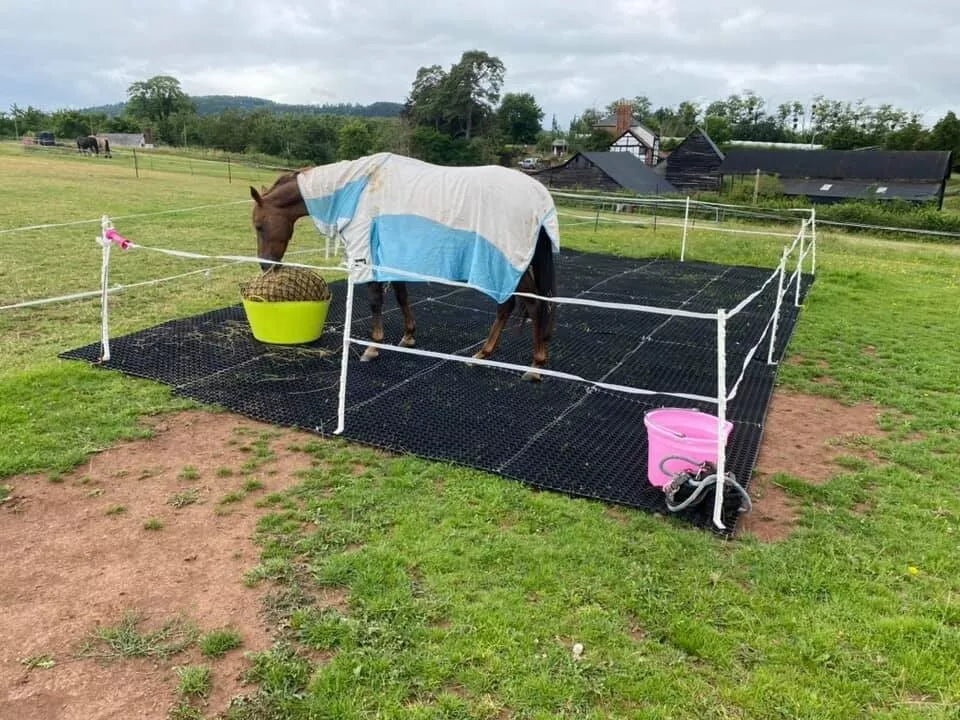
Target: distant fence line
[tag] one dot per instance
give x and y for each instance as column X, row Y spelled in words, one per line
column 669, row 206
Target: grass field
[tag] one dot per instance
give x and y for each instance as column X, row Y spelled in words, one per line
column 466, row 592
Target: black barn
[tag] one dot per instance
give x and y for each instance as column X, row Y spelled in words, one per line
column 695, row 163
column 829, row 176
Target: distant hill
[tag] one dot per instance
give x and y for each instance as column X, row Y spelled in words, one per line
column 217, row 104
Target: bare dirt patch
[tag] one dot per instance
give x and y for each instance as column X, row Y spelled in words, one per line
column 70, row 567
column 803, row 436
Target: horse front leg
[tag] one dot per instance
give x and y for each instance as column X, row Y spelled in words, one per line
column 375, row 296
column 409, row 324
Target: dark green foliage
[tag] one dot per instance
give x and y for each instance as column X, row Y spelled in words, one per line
column 157, row 99
column 519, row 118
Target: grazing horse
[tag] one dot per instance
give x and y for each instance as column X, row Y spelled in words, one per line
column 88, row 144
column 399, row 218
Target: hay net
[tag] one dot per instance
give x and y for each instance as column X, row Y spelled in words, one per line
column 285, row 284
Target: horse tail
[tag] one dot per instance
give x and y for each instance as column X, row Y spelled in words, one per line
column 545, row 280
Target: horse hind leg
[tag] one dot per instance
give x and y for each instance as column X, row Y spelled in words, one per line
column 531, row 308
column 375, row 296
column 409, row 323
column 504, row 311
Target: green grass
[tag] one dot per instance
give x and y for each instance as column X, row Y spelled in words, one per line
column 194, row 681
column 182, row 499
column 153, row 524
column 462, row 594
column 125, row 639
column 44, row 661
column 218, row 643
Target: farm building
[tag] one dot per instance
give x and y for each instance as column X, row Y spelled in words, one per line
column 631, row 135
column 695, row 163
column 829, row 176
column 134, row 140
column 606, row 171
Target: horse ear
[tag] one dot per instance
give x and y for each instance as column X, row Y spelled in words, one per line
column 255, row 195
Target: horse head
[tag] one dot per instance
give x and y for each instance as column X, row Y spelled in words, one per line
column 275, row 211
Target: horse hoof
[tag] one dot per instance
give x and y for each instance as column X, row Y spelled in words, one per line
column 531, row 376
column 408, row 341
column 369, row 354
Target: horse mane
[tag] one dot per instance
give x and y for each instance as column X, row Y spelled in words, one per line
column 283, row 180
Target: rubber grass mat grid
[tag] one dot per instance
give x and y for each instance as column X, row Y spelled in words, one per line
column 569, row 437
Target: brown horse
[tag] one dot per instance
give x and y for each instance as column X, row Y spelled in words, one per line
column 276, row 210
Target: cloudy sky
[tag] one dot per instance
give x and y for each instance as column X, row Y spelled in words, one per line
column 570, row 55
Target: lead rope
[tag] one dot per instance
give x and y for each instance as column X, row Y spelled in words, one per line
column 704, row 478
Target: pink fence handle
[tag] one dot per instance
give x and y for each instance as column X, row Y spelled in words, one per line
column 119, row 239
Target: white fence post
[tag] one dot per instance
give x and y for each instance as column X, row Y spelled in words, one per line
column 803, row 235
column 776, row 311
column 105, row 243
column 721, row 415
column 813, row 241
column 683, row 243
column 345, row 357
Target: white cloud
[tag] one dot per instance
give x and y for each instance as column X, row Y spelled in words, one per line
column 569, row 55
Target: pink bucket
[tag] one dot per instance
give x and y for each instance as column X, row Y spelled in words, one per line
column 676, row 431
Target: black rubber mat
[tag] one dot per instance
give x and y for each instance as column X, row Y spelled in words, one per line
column 565, row 436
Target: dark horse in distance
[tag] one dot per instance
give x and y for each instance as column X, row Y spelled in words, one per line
column 88, row 144
column 399, row 219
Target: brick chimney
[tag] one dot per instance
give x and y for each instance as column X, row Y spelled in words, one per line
column 624, row 117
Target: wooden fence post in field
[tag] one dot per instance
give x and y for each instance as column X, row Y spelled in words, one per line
column 136, row 165
column 756, row 186
column 229, row 173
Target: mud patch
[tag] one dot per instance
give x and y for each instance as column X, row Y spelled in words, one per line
column 804, row 436
column 70, row 567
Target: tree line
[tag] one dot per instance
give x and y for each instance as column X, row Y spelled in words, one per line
column 458, row 116
column 835, row 124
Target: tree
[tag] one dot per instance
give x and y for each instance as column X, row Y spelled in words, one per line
column 718, row 128
column 640, row 107
column 583, row 124
column 687, row 114
column 946, row 135
column 424, row 105
column 911, row 136
column 157, row 98
column 70, row 124
column 519, row 118
column 354, row 139
column 472, row 90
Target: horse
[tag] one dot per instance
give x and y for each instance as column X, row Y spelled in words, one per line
column 88, row 144
column 106, row 148
column 492, row 227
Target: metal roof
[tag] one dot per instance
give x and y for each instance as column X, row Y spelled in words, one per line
column 861, row 189
column 630, row 172
column 904, row 165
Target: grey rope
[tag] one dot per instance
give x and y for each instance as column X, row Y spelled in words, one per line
column 699, row 486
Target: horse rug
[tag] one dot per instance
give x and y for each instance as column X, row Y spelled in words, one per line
column 404, row 219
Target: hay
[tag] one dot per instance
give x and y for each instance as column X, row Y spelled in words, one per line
column 284, row 284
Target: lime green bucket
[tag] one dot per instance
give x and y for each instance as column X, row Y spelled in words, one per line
column 289, row 322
